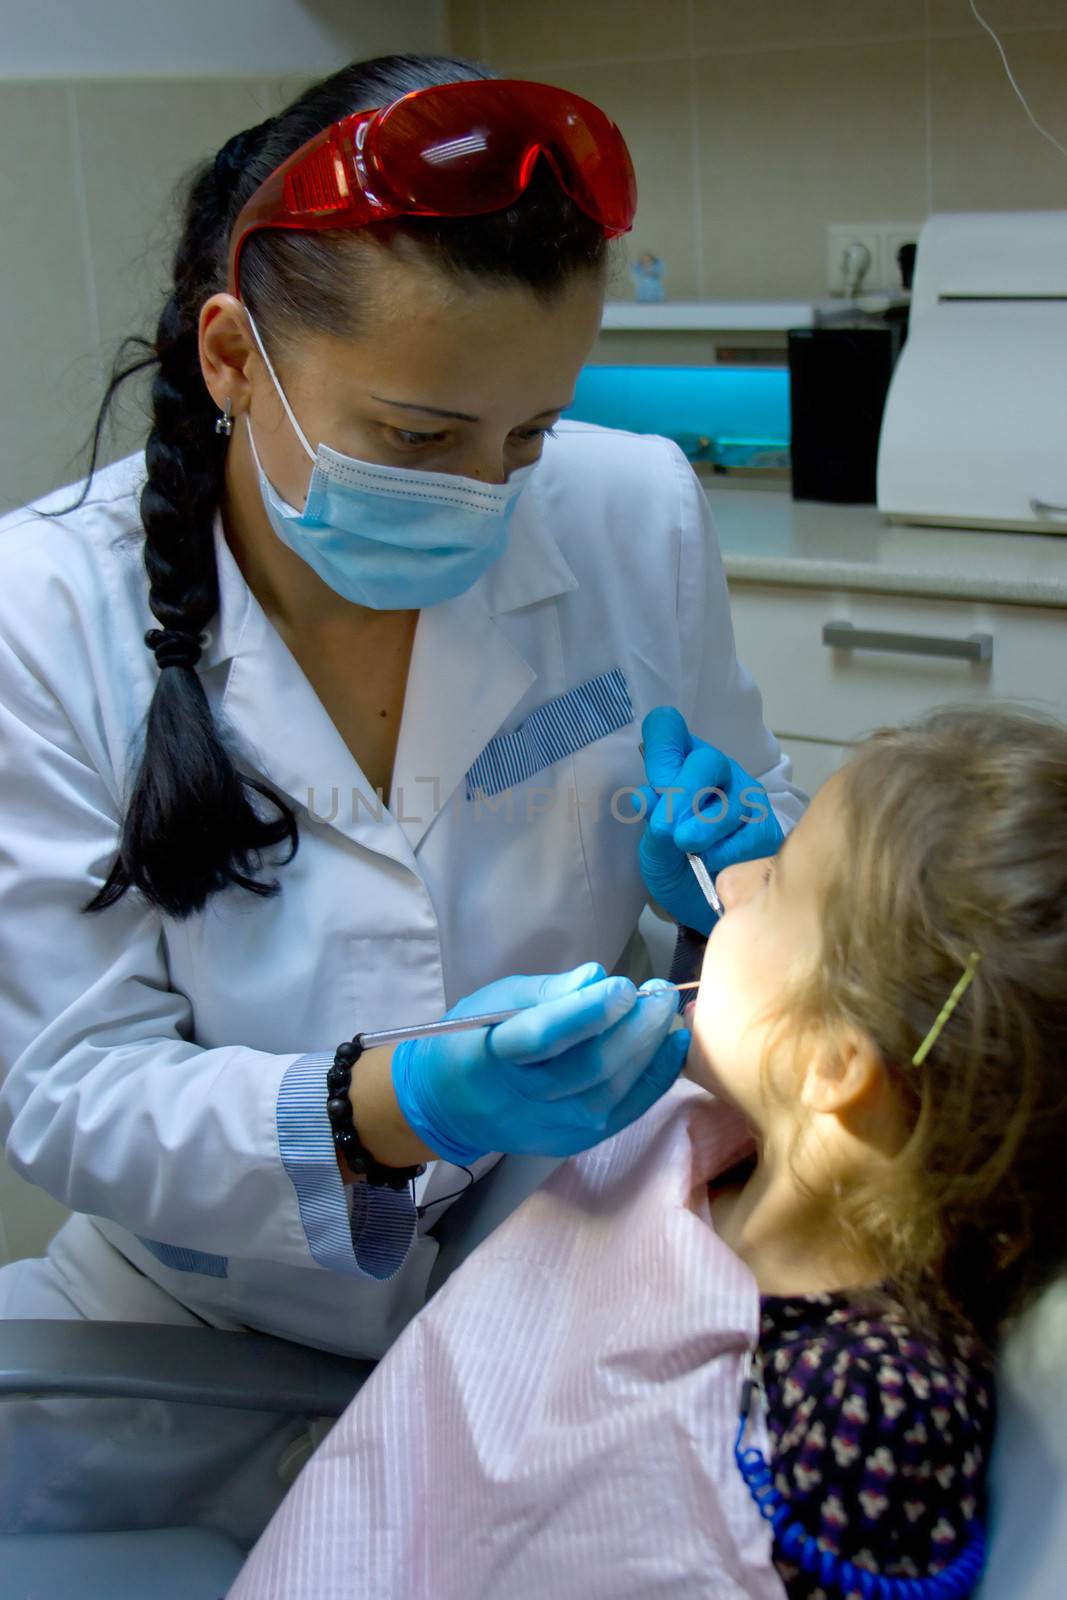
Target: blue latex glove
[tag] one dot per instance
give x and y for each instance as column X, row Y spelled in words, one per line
column 586, row 1058
column 733, row 824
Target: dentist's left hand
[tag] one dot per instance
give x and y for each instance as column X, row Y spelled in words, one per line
column 587, row 1056
column 698, row 801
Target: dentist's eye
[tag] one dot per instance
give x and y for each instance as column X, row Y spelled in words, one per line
column 406, row 439
column 530, row 435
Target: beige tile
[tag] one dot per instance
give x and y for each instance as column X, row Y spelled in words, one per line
column 139, row 141
column 986, row 156
column 48, row 372
column 463, row 29
column 651, row 104
column 584, row 30
column 791, row 141
column 773, row 24
column 1004, row 16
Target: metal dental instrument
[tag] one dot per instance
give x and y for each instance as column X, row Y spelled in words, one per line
column 427, row 1030
column 703, row 877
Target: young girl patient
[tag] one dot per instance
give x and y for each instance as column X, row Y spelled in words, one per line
column 882, row 1022
column 885, row 1002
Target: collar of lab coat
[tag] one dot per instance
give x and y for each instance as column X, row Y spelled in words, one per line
column 466, row 675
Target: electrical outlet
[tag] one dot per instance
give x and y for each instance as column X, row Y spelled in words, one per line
column 840, row 237
column 892, row 235
column 882, row 240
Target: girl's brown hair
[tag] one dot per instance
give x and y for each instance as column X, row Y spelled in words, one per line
column 955, row 840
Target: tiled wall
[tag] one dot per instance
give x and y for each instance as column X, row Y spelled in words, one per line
column 755, row 123
column 88, row 170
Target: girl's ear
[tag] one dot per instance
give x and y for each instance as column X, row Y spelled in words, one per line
column 838, row 1078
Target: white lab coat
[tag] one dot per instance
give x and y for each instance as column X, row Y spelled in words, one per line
column 144, row 1058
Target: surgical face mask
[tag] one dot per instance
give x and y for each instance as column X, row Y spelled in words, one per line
column 389, row 538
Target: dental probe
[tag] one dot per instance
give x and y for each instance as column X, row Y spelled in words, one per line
column 703, row 877
column 426, row 1030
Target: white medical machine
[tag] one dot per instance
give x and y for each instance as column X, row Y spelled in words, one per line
column 975, row 425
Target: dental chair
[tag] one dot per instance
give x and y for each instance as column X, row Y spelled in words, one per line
column 1028, row 1544
column 198, row 1366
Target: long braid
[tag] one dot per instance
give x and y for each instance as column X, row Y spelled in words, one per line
column 190, row 827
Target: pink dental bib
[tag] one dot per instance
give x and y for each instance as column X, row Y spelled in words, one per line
column 558, row 1422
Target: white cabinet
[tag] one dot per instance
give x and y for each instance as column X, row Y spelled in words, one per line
column 832, row 664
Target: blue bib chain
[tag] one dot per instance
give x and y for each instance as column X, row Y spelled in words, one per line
column 954, row 1582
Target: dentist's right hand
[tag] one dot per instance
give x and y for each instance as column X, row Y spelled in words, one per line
column 587, row 1056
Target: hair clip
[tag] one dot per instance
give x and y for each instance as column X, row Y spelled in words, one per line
column 962, row 985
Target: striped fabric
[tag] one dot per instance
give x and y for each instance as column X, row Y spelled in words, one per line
column 559, row 1420
column 180, row 1260
column 556, row 729
column 373, row 1238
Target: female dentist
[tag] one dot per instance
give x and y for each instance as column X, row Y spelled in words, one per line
column 361, row 597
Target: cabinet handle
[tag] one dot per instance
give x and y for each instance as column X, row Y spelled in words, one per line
column 843, row 636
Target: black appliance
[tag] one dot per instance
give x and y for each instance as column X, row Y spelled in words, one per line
column 838, row 380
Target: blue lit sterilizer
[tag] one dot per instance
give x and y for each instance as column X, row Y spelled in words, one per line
column 725, row 416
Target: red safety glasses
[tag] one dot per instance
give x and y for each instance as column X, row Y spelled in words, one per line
column 455, row 150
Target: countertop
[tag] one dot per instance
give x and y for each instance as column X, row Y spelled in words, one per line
column 767, row 537
column 774, row 315
column 726, row 316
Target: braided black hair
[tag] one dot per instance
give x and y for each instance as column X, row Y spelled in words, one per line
column 191, row 826
column 194, row 824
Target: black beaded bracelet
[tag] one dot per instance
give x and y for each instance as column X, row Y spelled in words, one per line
column 345, row 1137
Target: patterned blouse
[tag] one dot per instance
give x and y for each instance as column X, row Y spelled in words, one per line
column 879, row 1436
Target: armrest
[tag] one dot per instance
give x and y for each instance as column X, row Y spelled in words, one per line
column 245, row 1371
column 197, row 1366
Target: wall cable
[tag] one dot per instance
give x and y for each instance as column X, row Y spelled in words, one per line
column 1011, row 79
